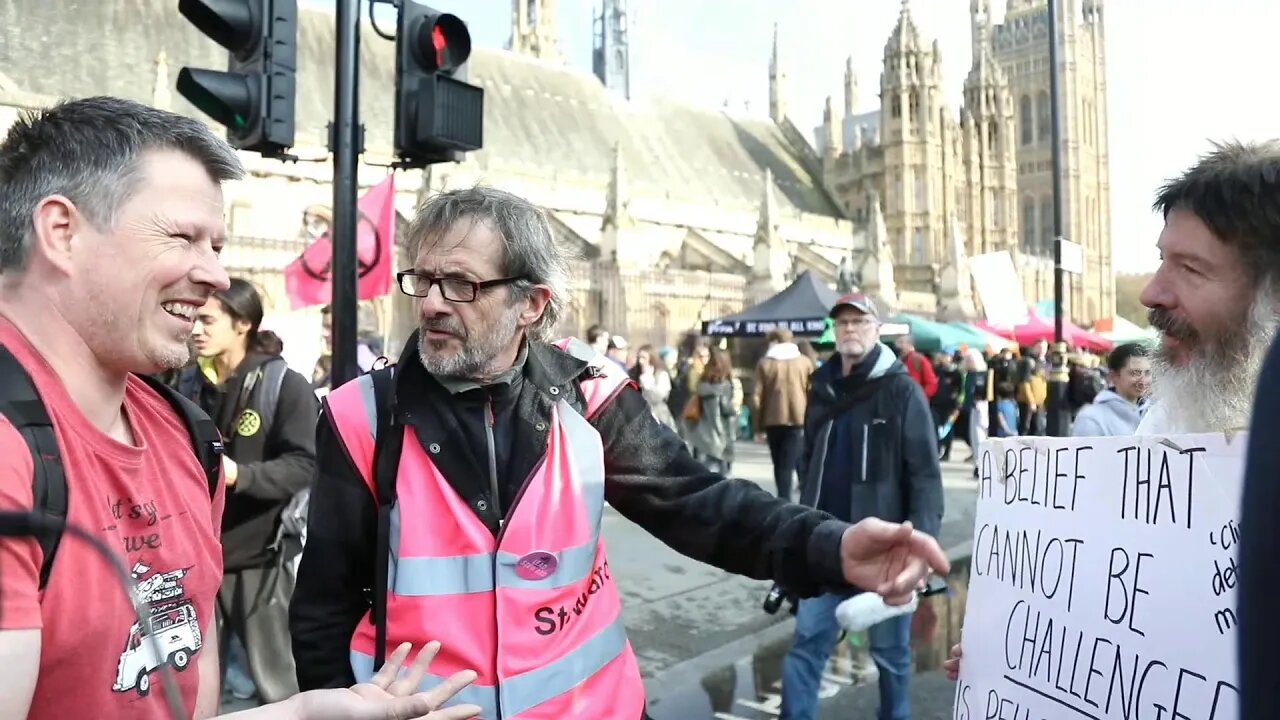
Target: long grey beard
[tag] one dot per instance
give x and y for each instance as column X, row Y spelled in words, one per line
column 1214, row 391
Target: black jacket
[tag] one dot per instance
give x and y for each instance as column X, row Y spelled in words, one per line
column 651, row 479
column 1259, row 626
column 881, row 453
column 274, row 462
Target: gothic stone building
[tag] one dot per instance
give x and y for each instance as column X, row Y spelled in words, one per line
column 680, row 214
column 988, row 175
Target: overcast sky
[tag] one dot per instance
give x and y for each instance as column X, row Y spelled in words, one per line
column 1180, row 72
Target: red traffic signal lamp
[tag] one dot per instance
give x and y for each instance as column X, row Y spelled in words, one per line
column 438, row 114
column 254, row 98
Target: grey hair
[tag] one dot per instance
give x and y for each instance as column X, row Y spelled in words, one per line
column 90, row 151
column 530, row 252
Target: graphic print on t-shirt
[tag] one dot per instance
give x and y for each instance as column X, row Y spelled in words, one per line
column 172, row 621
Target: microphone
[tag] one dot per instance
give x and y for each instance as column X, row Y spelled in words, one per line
column 20, row 524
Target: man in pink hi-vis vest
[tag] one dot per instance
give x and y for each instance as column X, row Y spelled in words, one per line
column 510, row 447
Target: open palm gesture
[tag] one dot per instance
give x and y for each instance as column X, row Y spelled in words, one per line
column 390, row 695
column 891, row 559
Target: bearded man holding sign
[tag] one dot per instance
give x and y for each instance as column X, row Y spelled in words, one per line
column 1167, row 549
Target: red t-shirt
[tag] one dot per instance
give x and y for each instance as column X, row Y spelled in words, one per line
column 151, row 504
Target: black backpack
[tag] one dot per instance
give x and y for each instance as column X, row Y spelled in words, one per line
column 20, row 404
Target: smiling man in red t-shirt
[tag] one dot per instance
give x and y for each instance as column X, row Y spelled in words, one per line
column 111, row 221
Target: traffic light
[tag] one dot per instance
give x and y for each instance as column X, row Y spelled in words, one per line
column 254, row 97
column 438, row 115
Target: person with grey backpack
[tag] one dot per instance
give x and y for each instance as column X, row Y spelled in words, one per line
column 266, row 414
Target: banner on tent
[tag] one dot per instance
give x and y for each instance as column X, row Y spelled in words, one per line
column 1103, row 579
column 753, row 328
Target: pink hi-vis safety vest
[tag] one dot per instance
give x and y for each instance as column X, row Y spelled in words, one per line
column 535, row 612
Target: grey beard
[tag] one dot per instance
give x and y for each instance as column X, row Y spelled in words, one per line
column 473, row 361
column 1214, row 391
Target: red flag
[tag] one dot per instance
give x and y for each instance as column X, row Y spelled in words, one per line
column 308, row 279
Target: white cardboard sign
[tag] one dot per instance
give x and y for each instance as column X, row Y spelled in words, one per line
column 1103, row 580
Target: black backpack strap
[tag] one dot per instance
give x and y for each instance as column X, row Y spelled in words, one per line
column 386, row 461
column 272, row 379
column 20, row 404
column 205, row 438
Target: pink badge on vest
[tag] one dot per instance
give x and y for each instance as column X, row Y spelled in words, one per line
column 536, row 565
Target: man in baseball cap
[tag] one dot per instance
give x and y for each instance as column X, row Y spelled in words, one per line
column 857, row 301
column 876, row 456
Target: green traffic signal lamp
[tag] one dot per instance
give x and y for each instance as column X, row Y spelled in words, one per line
column 254, row 96
column 228, row 98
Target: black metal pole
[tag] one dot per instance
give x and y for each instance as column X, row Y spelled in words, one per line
column 1058, row 414
column 346, row 152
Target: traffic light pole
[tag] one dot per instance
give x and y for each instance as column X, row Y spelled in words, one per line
column 1058, row 418
column 344, row 143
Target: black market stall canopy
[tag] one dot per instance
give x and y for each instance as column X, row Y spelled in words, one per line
column 801, row 307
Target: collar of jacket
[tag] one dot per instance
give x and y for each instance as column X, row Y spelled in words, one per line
column 545, row 366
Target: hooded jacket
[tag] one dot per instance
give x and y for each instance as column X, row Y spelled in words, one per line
column 275, row 462
column 1109, row 415
column 781, row 387
column 877, row 458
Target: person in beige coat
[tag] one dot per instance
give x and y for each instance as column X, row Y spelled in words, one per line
column 778, row 404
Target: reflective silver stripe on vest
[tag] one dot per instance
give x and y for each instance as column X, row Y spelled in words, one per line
column 365, row 383
column 484, row 696
column 460, row 575
column 533, row 688
column 548, row 682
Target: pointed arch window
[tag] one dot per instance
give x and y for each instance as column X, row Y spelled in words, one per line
column 1029, row 225
column 1046, row 225
column 1025, row 124
column 1043, row 119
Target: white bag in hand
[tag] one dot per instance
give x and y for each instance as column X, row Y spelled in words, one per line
column 866, row 609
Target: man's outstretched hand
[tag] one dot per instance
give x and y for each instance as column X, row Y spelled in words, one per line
column 890, row 559
column 390, row 695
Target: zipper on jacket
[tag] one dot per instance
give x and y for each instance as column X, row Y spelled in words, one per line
column 493, row 459
column 866, row 437
column 822, row 461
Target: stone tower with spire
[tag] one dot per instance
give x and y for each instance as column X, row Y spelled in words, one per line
column 1022, row 40
column 772, row 260
column 611, row 54
column 987, row 143
column 982, row 176
column 913, row 138
column 850, row 88
column 617, row 219
column 777, row 82
column 533, row 29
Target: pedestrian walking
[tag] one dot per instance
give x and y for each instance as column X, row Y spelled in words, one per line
column 871, row 451
column 779, row 398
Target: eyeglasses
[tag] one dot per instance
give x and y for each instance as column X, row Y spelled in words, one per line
column 454, row 289
column 856, row 322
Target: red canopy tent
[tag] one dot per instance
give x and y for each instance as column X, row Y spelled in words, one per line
column 1036, row 328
